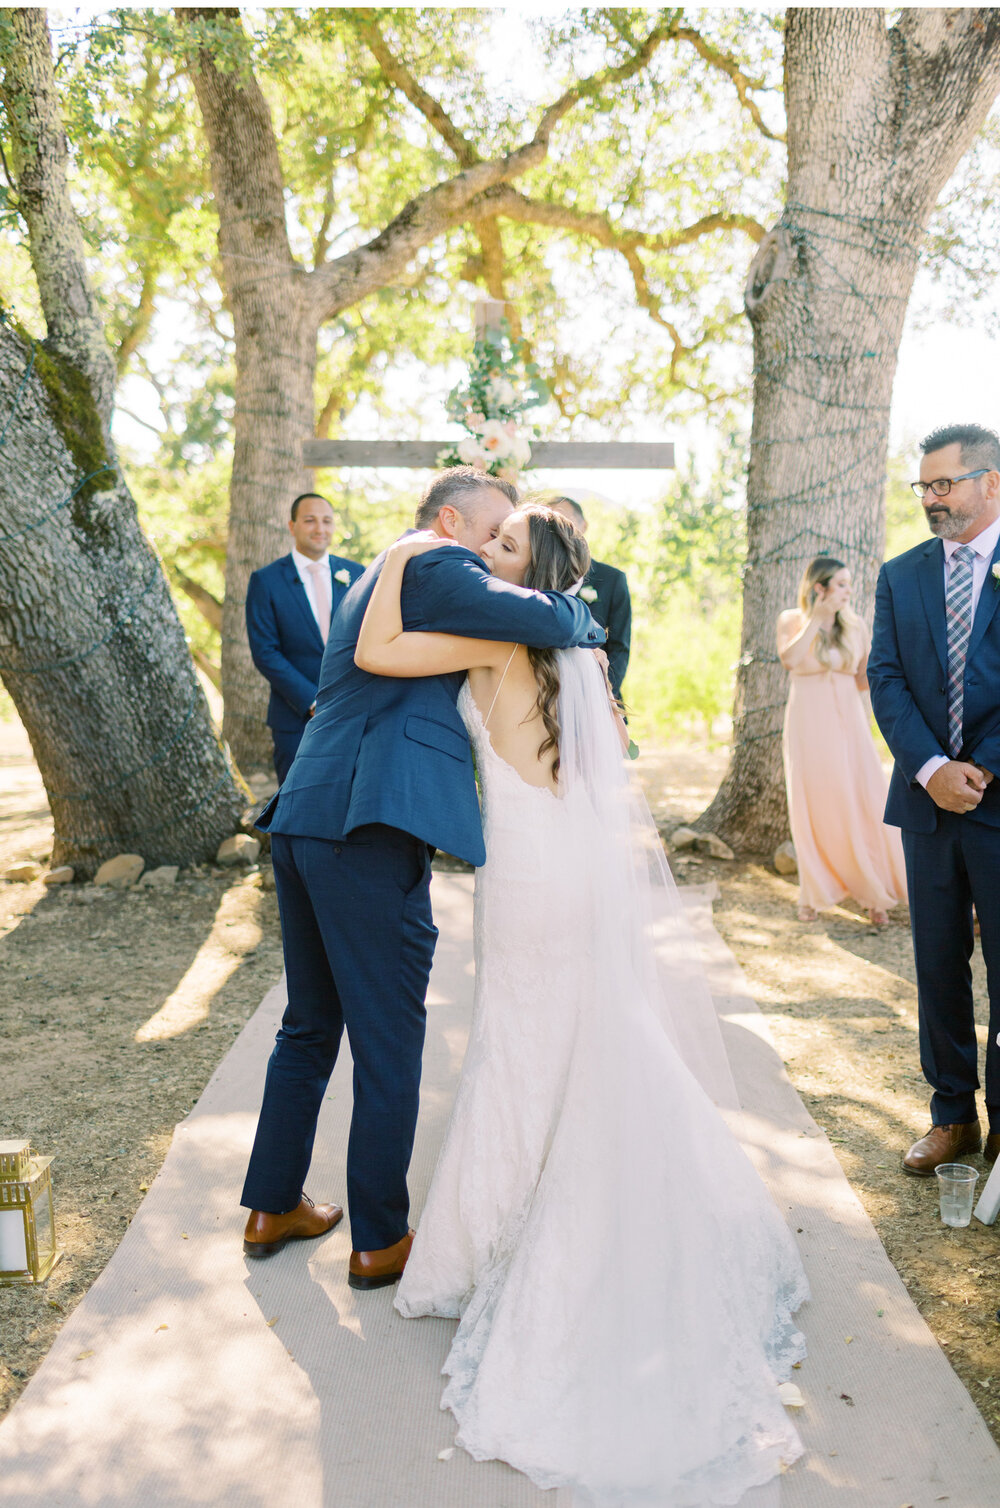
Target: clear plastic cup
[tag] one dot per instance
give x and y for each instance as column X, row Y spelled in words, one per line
column 957, row 1187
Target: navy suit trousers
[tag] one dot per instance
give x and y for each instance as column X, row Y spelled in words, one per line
column 286, row 746
column 358, row 940
column 948, row 872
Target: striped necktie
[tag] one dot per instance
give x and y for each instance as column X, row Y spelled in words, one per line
column 958, row 614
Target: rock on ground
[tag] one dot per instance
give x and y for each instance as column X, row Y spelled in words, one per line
column 683, row 837
column 713, row 846
column 785, row 861
column 121, row 872
column 240, row 849
column 63, row 875
column 24, row 873
column 159, row 879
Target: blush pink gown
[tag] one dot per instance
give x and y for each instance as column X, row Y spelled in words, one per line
column 836, row 792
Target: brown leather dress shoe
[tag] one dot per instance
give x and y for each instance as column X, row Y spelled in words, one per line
column 991, row 1151
column 265, row 1234
column 942, row 1144
column 377, row 1269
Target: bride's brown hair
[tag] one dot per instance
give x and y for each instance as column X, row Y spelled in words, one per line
column 559, row 557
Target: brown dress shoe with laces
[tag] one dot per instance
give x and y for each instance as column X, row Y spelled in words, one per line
column 265, row 1234
column 942, row 1144
column 377, row 1269
column 991, row 1151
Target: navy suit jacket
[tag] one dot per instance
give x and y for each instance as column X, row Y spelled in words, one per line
column 285, row 641
column 395, row 751
column 908, row 674
column 612, row 607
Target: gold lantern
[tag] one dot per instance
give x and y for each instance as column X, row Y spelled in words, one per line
column 27, row 1219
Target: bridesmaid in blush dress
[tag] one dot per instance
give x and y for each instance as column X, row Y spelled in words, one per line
column 836, row 785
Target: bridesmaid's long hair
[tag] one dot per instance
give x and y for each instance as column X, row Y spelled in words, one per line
column 559, row 557
column 845, row 633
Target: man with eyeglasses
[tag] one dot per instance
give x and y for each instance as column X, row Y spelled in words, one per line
column 934, row 672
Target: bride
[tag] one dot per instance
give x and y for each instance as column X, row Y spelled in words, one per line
column 624, row 1284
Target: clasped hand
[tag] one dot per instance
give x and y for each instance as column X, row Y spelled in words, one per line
column 418, row 544
column 958, row 786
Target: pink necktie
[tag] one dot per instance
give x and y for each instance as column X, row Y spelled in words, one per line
column 320, row 573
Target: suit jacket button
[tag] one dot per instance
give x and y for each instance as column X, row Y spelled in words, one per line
column 337, row 848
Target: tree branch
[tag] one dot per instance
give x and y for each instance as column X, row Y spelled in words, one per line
column 210, row 607
column 55, row 241
column 121, row 409
column 353, row 276
column 948, row 58
column 729, row 66
column 402, row 79
column 618, row 74
column 208, row 667
column 138, row 329
column 510, row 202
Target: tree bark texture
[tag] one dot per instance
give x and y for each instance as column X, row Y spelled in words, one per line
column 276, row 332
column 878, row 119
column 91, row 648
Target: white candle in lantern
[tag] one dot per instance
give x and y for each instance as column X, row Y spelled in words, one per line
column 13, row 1248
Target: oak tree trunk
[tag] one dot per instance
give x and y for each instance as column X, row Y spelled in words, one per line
column 275, row 343
column 91, row 648
column 273, row 411
column 878, row 119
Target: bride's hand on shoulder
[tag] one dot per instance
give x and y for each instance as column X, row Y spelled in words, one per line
column 418, row 544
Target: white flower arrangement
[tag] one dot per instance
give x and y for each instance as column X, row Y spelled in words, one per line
column 500, row 388
column 995, row 573
column 343, row 576
column 588, row 593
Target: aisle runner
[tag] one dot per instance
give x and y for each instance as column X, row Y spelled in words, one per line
column 188, row 1376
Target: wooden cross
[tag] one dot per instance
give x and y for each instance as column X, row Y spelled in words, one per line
column 591, row 455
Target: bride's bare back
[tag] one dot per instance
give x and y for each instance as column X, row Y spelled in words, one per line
column 507, row 699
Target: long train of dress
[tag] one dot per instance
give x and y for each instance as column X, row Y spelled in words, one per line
column 624, row 1283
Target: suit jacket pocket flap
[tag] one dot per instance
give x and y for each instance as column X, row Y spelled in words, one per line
column 424, row 730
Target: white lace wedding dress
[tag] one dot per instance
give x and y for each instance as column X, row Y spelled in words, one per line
column 624, row 1282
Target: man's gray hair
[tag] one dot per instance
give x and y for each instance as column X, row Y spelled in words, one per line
column 979, row 447
column 461, row 488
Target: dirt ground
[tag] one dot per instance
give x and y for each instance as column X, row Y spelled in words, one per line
column 116, row 1007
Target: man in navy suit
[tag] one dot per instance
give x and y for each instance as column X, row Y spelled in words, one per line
column 289, row 606
column 934, row 671
column 383, row 776
column 605, row 591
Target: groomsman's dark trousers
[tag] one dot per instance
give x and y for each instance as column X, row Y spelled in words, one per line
column 358, row 940
column 948, row 872
column 286, row 745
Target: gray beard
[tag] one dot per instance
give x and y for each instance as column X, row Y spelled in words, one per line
column 950, row 525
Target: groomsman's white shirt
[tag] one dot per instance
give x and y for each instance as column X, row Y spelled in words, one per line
column 302, row 564
column 984, row 544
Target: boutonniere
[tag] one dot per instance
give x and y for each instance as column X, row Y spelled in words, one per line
column 588, row 593
column 995, row 573
column 343, row 576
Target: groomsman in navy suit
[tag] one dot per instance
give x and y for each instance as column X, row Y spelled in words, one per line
column 934, row 672
column 605, row 591
column 289, row 606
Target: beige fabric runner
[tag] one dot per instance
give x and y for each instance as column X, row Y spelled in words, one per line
column 189, row 1376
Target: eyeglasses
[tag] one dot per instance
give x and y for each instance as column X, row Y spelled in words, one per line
column 942, row 485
